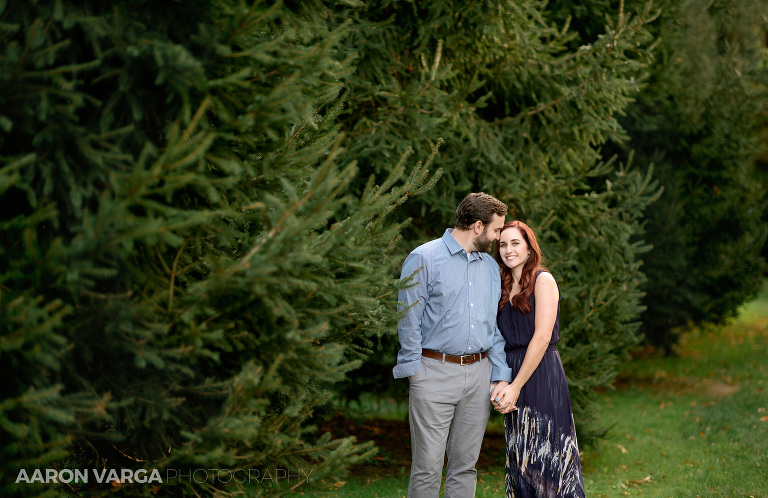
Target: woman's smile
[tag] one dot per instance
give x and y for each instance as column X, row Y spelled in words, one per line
column 512, row 247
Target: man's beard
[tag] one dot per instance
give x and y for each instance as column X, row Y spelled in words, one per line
column 482, row 242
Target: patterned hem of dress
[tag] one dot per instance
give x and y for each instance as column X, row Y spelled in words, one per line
column 542, row 461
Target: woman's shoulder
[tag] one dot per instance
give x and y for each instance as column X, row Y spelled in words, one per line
column 544, row 276
column 546, row 285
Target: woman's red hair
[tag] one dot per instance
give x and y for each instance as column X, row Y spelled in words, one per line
column 528, row 276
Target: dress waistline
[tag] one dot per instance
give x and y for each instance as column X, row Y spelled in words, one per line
column 523, row 349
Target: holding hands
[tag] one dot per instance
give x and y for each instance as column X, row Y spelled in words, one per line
column 504, row 397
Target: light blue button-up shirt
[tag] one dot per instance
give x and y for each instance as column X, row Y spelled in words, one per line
column 452, row 306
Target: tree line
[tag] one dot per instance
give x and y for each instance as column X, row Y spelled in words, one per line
column 204, row 205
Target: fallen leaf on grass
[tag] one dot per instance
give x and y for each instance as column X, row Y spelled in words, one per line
column 623, row 449
column 764, row 418
column 639, row 482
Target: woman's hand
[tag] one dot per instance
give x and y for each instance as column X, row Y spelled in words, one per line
column 505, row 400
column 496, row 388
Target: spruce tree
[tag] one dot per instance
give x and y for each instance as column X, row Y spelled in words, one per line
column 184, row 269
column 699, row 121
column 193, row 245
column 524, row 115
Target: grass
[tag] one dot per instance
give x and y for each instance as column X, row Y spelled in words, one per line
column 696, row 425
column 489, row 484
column 692, row 425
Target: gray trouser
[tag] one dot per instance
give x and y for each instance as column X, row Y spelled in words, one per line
column 448, row 404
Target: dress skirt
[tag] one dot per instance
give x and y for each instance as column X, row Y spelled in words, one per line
column 542, row 455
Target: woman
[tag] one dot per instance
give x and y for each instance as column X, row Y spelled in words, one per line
column 542, row 452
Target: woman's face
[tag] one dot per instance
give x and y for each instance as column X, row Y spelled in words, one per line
column 512, row 248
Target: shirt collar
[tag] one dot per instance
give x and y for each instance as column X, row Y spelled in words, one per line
column 454, row 246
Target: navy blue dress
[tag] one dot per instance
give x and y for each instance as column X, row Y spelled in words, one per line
column 542, row 451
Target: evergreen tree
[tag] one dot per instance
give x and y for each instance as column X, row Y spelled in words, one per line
column 698, row 121
column 193, row 248
column 524, row 115
column 184, row 270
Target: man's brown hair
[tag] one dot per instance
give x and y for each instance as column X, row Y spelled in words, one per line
column 478, row 206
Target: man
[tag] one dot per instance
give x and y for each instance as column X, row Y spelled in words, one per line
column 450, row 347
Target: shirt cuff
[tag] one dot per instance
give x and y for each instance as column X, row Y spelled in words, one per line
column 410, row 368
column 501, row 374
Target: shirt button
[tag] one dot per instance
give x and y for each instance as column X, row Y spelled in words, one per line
column 471, row 304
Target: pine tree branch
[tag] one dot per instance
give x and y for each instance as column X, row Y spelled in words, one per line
column 173, row 274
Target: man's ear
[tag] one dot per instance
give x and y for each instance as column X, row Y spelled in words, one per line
column 478, row 227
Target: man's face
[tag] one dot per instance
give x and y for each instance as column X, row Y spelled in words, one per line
column 484, row 240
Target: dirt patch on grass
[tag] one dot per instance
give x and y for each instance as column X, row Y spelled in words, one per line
column 665, row 382
column 393, row 439
column 717, row 388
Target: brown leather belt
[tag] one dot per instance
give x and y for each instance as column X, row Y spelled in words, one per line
column 466, row 359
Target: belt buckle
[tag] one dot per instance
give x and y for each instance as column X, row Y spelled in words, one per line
column 470, row 356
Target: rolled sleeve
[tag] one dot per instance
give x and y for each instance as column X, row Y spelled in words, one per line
column 496, row 353
column 500, row 370
column 406, row 369
column 413, row 300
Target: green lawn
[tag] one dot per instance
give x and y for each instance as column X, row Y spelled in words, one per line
column 691, row 425
column 696, row 425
